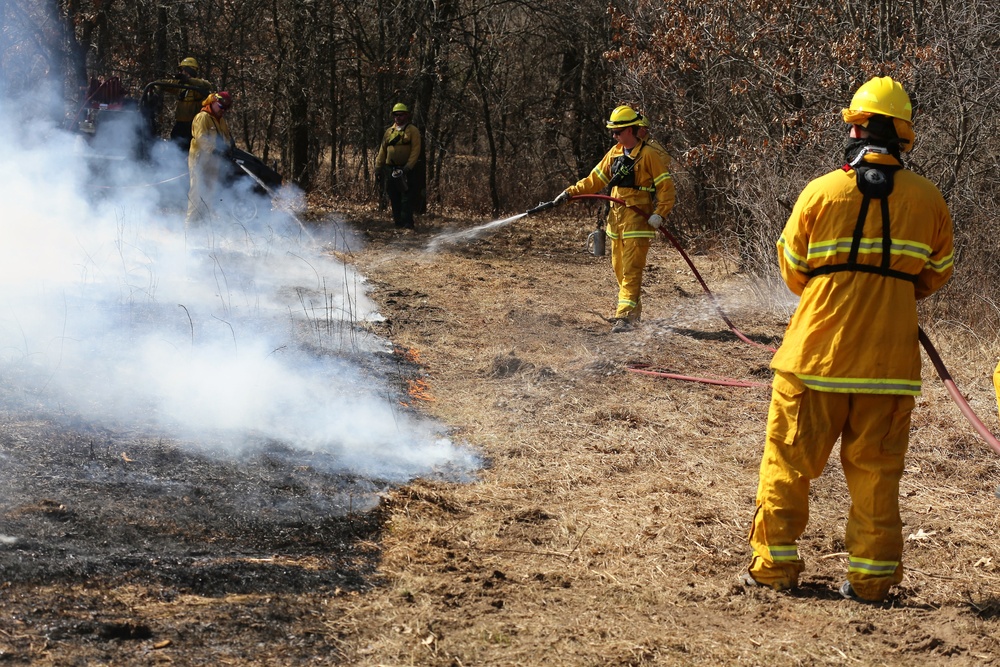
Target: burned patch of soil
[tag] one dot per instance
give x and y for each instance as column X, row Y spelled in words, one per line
column 84, row 507
column 111, row 539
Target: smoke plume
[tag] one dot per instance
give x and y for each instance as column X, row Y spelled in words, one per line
column 240, row 332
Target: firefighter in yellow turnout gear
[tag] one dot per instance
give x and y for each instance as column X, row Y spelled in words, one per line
column 862, row 244
column 996, row 385
column 210, row 143
column 637, row 174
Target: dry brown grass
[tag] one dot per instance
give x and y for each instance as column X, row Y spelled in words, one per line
column 609, row 523
column 606, row 527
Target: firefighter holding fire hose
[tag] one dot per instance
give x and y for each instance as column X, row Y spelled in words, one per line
column 190, row 93
column 637, row 174
column 862, row 245
column 211, row 141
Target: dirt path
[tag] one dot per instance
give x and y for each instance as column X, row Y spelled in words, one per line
column 608, row 525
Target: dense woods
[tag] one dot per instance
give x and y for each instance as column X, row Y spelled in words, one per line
column 512, row 96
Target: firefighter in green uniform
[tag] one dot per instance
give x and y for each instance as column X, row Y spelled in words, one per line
column 396, row 165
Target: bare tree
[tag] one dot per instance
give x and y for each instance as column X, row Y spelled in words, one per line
column 510, row 93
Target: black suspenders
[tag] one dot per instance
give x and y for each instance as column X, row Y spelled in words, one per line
column 852, row 259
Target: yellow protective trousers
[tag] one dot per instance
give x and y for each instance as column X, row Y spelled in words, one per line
column 202, row 195
column 629, row 247
column 802, row 427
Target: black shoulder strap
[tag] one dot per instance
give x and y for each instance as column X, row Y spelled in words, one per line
column 859, row 227
column 396, row 138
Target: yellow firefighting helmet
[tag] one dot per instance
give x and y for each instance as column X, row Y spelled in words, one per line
column 623, row 116
column 189, row 62
column 884, row 97
column 400, row 107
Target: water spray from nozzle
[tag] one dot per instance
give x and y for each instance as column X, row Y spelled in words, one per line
column 271, row 193
column 481, row 230
column 469, row 234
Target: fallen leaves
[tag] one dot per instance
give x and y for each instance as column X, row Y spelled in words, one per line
column 921, row 536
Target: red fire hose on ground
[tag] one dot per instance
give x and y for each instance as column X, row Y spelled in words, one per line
column 942, row 371
column 956, row 395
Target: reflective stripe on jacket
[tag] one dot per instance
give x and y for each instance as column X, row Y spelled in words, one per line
column 651, row 177
column 856, row 332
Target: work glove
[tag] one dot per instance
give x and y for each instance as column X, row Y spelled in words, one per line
column 655, row 221
column 561, row 199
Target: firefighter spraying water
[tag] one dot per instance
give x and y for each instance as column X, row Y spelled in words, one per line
column 642, row 194
column 637, row 176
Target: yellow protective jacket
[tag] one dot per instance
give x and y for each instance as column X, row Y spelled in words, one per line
column 660, row 150
column 210, row 139
column 664, row 157
column 399, row 148
column 854, row 331
column 188, row 101
column 654, row 191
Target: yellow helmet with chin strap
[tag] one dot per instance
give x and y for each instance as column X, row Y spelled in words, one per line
column 883, row 96
column 624, row 116
column 400, row 107
column 189, row 62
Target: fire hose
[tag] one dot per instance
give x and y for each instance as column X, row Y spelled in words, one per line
column 674, row 242
column 956, row 395
column 140, row 185
column 932, row 353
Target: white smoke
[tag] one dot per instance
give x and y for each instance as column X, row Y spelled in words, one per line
column 242, row 332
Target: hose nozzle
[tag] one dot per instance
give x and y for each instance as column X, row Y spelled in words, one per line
column 542, row 206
